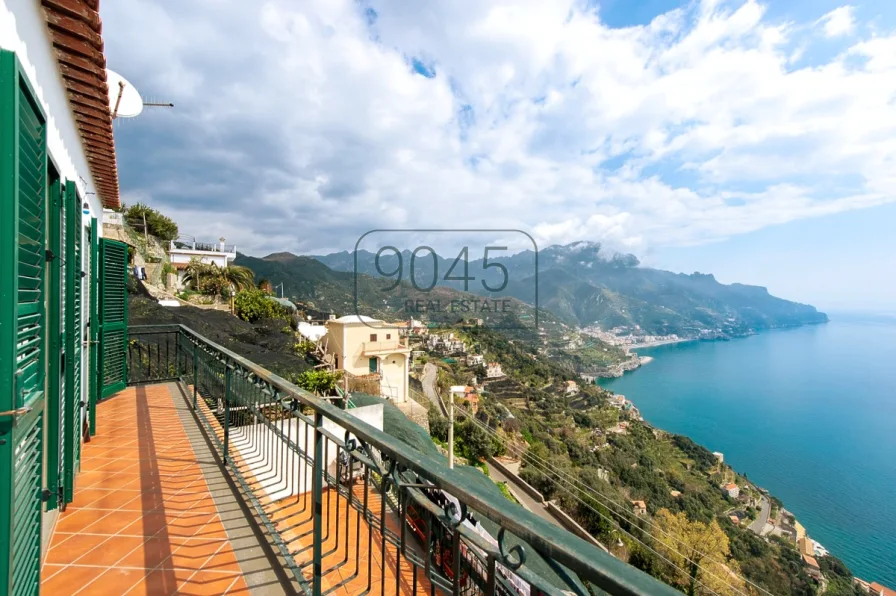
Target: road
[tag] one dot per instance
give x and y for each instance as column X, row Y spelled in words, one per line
column 762, row 519
column 522, row 496
column 430, row 374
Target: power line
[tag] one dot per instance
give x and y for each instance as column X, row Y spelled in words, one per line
column 563, row 486
column 547, row 468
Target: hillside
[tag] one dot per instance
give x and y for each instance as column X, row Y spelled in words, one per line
column 583, row 284
column 595, row 458
column 313, row 284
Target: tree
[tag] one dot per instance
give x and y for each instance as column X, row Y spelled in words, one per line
column 472, row 442
column 196, row 271
column 265, row 286
column 699, row 553
column 252, row 305
column 148, row 220
column 241, row 278
column 438, row 424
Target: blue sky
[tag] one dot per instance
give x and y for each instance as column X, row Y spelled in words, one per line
column 752, row 139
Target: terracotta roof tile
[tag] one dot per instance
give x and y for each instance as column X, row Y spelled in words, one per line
column 76, row 31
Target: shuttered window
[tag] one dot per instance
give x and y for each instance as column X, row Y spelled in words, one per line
column 113, row 315
column 23, row 186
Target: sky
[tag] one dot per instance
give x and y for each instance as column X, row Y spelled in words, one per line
column 753, row 140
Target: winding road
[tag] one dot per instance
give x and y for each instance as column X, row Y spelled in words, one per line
column 758, row 525
column 430, row 374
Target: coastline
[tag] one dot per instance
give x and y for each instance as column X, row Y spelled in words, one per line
column 786, row 521
column 665, row 342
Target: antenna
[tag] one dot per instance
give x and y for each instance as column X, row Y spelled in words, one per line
column 124, row 100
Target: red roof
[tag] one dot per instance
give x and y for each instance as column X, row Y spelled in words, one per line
column 76, row 32
column 877, row 588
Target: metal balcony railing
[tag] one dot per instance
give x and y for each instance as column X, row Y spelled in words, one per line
column 190, row 243
column 379, row 347
column 354, row 510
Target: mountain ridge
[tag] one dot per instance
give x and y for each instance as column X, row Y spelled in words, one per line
column 584, row 284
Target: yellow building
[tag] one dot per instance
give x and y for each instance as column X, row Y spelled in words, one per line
column 800, row 530
column 364, row 347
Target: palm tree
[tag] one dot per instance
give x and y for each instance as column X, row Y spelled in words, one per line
column 238, row 276
column 194, row 270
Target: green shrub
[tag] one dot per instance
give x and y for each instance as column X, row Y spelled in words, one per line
column 304, row 347
column 318, row 381
column 158, row 225
column 252, row 305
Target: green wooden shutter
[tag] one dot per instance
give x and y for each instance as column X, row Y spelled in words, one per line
column 23, row 163
column 71, row 420
column 94, row 323
column 55, row 342
column 113, row 315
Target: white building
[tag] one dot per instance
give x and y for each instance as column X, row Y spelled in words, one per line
column 365, row 346
column 493, row 370
column 731, row 490
column 186, row 248
column 58, row 171
column 475, row 359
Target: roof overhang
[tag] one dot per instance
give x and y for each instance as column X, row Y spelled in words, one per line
column 76, row 32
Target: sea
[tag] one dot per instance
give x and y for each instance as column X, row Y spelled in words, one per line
column 807, row 413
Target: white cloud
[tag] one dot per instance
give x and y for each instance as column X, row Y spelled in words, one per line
column 839, row 22
column 298, row 125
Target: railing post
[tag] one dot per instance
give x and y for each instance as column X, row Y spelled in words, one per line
column 177, row 355
column 195, row 372
column 317, row 490
column 227, row 375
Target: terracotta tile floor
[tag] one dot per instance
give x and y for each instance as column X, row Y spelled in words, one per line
column 354, row 561
column 143, row 520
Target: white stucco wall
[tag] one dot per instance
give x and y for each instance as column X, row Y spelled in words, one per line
column 279, row 470
column 23, row 30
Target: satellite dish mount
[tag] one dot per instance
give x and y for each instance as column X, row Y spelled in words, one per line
column 124, row 100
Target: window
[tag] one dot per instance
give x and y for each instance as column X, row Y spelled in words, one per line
column 388, row 336
column 373, row 337
column 372, row 364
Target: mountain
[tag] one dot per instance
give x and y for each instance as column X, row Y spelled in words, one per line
column 584, row 284
column 309, row 281
column 318, row 288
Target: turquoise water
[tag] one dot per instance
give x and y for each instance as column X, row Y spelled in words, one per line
column 808, row 413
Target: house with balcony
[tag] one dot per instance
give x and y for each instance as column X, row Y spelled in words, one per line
column 366, row 347
column 186, row 248
column 151, row 460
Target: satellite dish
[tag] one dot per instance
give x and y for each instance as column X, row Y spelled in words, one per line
column 124, row 100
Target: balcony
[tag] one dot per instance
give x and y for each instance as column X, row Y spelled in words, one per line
column 189, row 243
column 210, row 475
column 379, row 348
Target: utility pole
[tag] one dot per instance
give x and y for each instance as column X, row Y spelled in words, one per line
column 451, row 430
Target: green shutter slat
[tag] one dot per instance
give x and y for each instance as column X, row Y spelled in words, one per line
column 113, row 316
column 23, row 184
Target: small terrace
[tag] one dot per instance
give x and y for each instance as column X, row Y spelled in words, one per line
column 391, row 346
column 210, row 475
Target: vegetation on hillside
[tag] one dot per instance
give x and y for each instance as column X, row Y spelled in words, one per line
column 150, row 221
column 253, row 304
column 210, row 280
column 583, row 283
column 575, row 451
